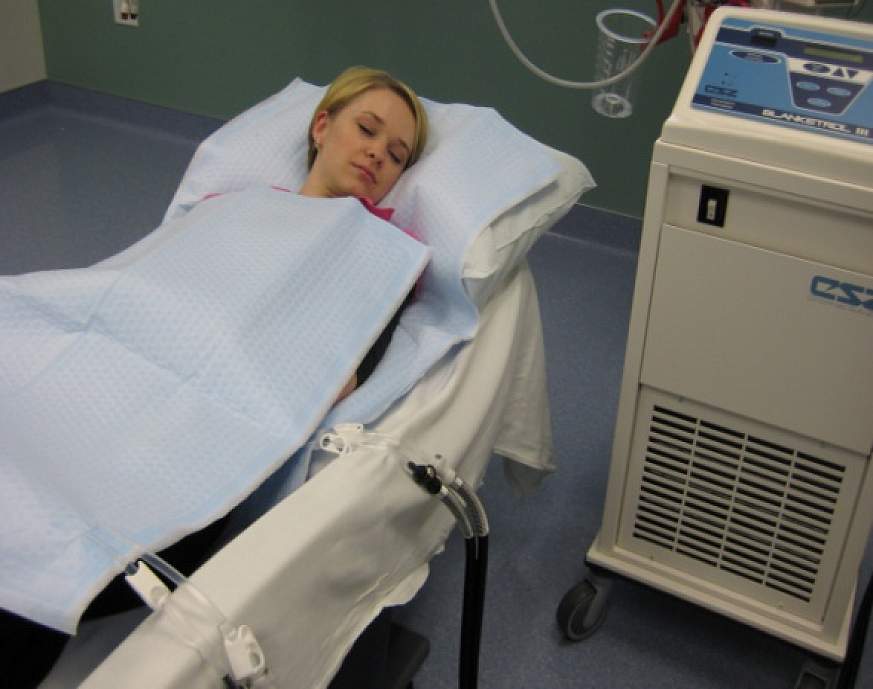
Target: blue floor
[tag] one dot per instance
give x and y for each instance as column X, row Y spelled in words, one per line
column 83, row 175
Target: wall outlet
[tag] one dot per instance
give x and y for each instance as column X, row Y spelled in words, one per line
column 126, row 12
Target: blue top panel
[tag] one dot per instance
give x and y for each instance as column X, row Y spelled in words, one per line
column 792, row 77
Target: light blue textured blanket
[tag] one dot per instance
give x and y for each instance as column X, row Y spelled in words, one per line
column 142, row 398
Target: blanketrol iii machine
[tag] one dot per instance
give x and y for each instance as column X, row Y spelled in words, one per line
column 741, row 469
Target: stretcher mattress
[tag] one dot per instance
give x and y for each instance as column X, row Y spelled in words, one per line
column 311, row 574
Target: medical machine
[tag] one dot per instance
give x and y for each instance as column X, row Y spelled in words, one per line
column 741, row 474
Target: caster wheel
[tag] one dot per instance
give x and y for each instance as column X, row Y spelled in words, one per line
column 810, row 682
column 582, row 611
column 818, row 674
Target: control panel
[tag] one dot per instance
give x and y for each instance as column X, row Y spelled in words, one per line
column 790, row 76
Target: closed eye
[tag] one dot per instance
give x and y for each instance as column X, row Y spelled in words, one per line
column 370, row 131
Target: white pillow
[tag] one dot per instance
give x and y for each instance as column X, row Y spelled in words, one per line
column 504, row 243
column 479, row 196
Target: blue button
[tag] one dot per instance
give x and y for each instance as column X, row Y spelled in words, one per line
column 839, row 91
column 816, row 68
column 760, row 58
column 808, row 85
column 819, row 102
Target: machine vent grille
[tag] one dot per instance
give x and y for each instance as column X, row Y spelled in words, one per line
column 736, row 502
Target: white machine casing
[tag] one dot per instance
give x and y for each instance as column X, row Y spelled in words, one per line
column 741, row 475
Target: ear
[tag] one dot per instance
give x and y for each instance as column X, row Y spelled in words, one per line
column 319, row 126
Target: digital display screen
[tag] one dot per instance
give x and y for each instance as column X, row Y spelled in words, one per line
column 830, row 53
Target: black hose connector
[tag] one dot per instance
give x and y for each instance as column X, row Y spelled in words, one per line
column 470, row 515
column 426, row 477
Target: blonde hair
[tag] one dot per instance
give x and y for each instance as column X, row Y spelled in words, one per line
column 352, row 83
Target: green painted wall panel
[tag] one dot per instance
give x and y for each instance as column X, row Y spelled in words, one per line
column 220, row 57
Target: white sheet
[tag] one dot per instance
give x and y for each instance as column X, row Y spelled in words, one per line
column 141, row 403
column 364, row 532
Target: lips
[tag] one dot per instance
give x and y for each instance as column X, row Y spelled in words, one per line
column 366, row 172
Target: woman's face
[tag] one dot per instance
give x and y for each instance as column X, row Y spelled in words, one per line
column 363, row 148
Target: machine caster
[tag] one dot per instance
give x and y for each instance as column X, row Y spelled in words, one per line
column 818, row 675
column 583, row 608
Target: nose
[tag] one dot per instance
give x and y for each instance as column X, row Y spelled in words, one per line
column 374, row 155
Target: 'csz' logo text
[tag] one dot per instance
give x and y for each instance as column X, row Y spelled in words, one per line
column 845, row 293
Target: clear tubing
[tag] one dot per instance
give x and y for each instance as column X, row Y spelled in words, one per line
column 455, row 506
column 178, row 579
column 585, row 85
column 164, row 567
column 477, row 509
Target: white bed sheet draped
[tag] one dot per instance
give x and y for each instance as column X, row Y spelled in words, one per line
column 144, row 398
column 312, row 573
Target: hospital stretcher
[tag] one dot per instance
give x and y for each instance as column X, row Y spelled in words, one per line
column 312, row 573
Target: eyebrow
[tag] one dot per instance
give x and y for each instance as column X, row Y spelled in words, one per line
column 382, row 122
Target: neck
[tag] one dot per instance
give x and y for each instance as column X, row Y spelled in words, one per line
column 312, row 188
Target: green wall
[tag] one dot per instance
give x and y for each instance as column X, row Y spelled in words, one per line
column 218, row 58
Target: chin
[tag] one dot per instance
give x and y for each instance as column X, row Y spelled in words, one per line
column 359, row 189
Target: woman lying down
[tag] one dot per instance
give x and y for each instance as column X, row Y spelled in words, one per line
column 365, row 132
column 368, row 128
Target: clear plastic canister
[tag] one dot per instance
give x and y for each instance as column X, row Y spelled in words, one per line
column 620, row 41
